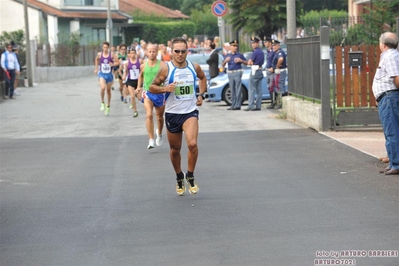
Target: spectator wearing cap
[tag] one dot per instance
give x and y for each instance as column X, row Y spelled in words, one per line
column 269, row 70
column 213, row 62
column 280, row 72
column 234, row 59
column 10, row 65
column 255, row 87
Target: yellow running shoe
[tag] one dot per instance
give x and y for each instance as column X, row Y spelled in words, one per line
column 192, row 185
column 181, row 189
column 106, row 112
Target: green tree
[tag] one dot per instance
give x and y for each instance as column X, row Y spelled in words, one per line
column 260, row 17
column 379, row 18
column 185, row 6
column 317, row 5
column 205, row 21
column 172, row 4
column 19, row 38
column 190, row 6
column 67, row 51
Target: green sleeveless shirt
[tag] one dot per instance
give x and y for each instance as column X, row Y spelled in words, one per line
column 149, row 74
column 123, row 57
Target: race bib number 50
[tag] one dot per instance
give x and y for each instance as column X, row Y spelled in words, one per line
column 184, row 92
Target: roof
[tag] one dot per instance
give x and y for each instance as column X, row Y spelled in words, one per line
column 75, row 13
column 148, row 7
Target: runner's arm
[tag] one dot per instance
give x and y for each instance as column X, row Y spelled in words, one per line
column 96, row 63
column 124, row 71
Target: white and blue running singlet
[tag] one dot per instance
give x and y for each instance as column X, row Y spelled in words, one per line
column 183, row 100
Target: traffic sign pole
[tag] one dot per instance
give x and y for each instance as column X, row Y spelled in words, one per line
column 219, row 9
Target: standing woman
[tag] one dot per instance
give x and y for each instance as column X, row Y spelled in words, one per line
column 131, row 75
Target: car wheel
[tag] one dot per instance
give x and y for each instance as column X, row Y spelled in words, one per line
column 227, row 95
column 244, row 94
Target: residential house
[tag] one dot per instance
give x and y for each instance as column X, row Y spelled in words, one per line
column 357, row 7
column 51, row 21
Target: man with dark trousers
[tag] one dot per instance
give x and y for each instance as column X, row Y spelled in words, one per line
column 280, row 72
column 234, row 59
column 255, row 79
column 269, row 71
column 386, row 93
column 213, row 62
column 11, row 67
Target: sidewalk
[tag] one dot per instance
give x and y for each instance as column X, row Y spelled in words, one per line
column 369, row 142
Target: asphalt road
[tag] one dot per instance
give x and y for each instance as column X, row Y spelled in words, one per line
column 79, row 188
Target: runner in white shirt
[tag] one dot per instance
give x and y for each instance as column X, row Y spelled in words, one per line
column 177, row 80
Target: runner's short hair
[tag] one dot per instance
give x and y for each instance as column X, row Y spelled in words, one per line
column 106, row 43
column 178, row 40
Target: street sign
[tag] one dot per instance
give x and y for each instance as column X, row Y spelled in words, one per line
column 220, row 21
column 219, row 8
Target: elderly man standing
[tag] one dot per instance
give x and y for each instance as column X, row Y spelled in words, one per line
column 386, row 92
column 256, row 62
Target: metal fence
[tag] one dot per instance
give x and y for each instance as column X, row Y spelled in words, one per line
column 342, row 30
column 304, row 67
column 66, row 55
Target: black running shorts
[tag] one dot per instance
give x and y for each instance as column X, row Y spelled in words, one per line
column 132, row 83
column 174, row 122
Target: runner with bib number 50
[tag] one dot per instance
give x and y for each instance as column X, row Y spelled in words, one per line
column 177, row 81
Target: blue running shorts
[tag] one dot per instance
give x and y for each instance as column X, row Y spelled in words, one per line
column 174, row 122
column 157, row 99
column 108, row 77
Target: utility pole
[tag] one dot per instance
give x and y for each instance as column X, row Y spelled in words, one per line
column 291, row 19
column 28, row 49
column 109, row 23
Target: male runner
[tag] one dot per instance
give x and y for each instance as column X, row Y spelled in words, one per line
column 148, row 70
column 104, row 62
column 181, row 114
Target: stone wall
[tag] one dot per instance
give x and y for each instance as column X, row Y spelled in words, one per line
column 51, row 74
column 303, row 113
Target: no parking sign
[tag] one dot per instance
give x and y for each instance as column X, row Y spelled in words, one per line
column 219, row 8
